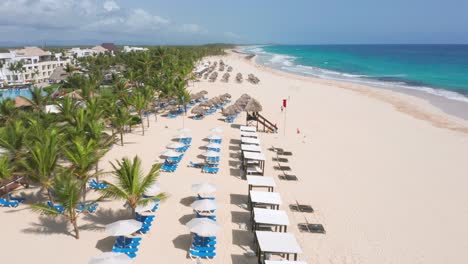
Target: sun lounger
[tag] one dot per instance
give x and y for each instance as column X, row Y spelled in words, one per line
column 58, row 208
column 212, row 217
column 16, row 198
column 131, row 252
column 93, row 184
column 204, row 198
column 91, row 208
column 5, row 203
column 195, row 254
column 196, row 165
column 208, row 169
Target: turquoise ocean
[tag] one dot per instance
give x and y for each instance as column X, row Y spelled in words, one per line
column 440, row 70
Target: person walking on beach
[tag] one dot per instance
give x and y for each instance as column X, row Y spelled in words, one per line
column 282, row 108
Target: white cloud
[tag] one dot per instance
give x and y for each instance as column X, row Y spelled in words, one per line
column 110, row 5
column 191, row 28
column 231, row 35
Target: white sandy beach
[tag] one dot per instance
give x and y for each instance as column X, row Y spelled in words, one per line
column 386, row 174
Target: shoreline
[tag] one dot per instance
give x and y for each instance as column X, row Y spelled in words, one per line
column 453, row 107
column 418, row 104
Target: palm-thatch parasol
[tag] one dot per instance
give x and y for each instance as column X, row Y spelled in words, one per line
column 206, row 104
column 198, row 110
column 253, row 106
column 230, row 110
column 203, row 92
column 172, row 108
column 75, row 95
column 227, row 95
column 20, row 101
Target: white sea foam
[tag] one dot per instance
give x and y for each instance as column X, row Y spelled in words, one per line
column 287, row 63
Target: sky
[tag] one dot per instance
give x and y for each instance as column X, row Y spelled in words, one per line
column 146, row 22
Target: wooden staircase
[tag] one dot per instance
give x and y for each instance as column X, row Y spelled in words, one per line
column 259, row 119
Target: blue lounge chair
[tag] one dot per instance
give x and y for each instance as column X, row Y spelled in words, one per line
column 212, row 170
column 91, row 208
column 196, row 165
column 214, row 149
column 93, row 184
column 58, row 208
column 5, row 203
column 131, row 252
column 198, row 117
column 196, row 254
column 213, row 160
column 205, row 198
column 16, row 198
column 212, row 217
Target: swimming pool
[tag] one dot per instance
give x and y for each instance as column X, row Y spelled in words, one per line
column 14, row 92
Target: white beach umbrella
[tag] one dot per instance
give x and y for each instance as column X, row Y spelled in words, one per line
column 171, row 153
column 213, row 145
column 123, row 227
column 203, row 188
column 181, row 136
column 214, row 136
column 110, row 258
column 185, row 130
column 153, row 190
column 217, row 130
column 204, row 205
column 211, row 154
column 175, row 145
column 145, row 208
column 203, row 227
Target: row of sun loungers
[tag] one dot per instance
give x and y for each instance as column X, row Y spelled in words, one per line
column 130, row 245
column 172, row 163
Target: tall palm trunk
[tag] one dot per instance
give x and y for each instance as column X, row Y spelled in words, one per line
column 142, row 124
column 147, row 120
column 121, row 137
column 75, row 228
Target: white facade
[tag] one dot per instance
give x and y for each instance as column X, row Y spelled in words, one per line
column 130, row 49
column 79, row 53
column 38, row 65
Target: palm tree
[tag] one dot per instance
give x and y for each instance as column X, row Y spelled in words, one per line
column 40, row 162
column 67, row 192
column 69, row 69
column 7, row 169
column 8, row 111
column 140, row 102
column 84, row 154
column 121, row 118
column 13, row 139
column 131, row 183
column 38, row 98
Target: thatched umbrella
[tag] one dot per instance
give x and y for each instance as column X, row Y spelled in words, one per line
column 230, row 110
column 253, row 106
column 198, row 110
column 20, row 101
column 216, row 100
column 172, row 108
column 206, row 104
column 74, row 95
column 203, row 92
column 227, row 95
column 245, row 96
column 196, row 96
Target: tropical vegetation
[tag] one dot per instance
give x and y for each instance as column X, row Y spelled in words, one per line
column 103, row 98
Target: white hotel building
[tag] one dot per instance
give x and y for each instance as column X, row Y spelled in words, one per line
column 38, row 65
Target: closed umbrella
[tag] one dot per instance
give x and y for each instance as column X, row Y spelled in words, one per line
column 175, row 145
column 213, row 145
column 123, row 227
column 203, row 227
column 171, row 154
column 110, row 258
column 211, row 154
column 217, row 130
column 204, row 205
column 203, row 188
column 214, row 136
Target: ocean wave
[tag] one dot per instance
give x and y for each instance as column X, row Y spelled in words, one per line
column 287, row 63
